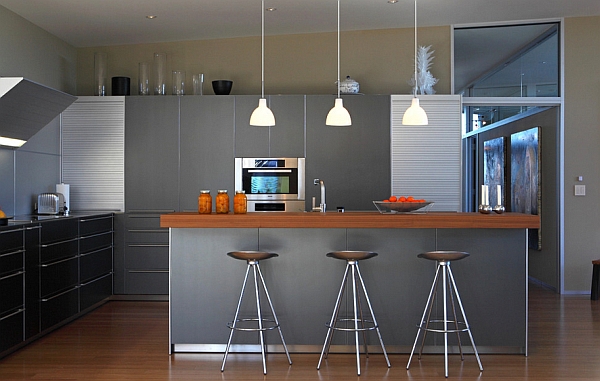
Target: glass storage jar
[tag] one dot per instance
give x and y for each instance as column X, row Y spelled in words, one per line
column 222, row 202
column 204, row 202
column 240, row 205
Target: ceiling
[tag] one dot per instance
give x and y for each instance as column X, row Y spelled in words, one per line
column 89, row 23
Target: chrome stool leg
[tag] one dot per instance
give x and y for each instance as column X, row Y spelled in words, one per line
column 443, row 260
column 352, row 270
column 253, row 263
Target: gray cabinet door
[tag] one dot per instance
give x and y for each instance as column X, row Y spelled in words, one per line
column 287, row 136
column 250, row 141
column 353, row 161
column 207, row 133
column 152, row 153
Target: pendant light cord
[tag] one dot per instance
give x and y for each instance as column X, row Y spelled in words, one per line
column 262, row 33
column 416, row 81
column 338, row 48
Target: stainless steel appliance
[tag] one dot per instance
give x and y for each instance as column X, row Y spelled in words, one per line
column 271, row 184
column 51, row 203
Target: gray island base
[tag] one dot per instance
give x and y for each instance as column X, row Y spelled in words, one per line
column 303, row 283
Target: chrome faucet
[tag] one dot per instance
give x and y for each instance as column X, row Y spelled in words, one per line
column 322, row 206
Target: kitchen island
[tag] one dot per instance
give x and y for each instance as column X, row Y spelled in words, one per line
column 205, row 283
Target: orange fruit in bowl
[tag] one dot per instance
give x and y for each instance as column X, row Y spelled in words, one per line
column 393, row 198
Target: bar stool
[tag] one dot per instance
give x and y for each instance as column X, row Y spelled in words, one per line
column 443, row 259
column 360, row 324
column 252, row 258
column 595, row 279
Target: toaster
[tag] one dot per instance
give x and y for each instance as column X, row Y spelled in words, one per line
column 51, row 203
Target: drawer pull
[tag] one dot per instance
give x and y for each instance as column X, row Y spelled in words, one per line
column 95, row 251
column 96, row 235
column 96, row 279
column 33, row 227
column 13, row 314
column 11, row 253
column 58, row 243
column 94, row 219
column 57, row 262
column 12, row 275
column 57, row 295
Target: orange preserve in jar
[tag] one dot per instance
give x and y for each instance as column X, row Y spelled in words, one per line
column 222, row 202
column 204, row 202
column 239, row 202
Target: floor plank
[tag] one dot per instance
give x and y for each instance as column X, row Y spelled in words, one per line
column 129, row 341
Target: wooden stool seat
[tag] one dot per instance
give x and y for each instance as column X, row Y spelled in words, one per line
column 352, row 255
column 251, row 255
column 444, row 255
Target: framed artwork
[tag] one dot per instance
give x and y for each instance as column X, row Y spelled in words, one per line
column 525, row 178
column 494, row 154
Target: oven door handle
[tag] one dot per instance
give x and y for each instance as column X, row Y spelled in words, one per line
column 270, row 170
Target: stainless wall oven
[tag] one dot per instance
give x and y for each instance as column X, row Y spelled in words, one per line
column 271, row 184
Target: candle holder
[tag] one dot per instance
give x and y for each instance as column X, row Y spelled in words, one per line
column 498, row 209
column 485, row 209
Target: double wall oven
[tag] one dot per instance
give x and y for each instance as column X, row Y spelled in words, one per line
column 271, row 184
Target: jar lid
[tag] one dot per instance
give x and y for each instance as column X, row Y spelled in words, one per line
column 205, row 192
column 222, row 191
column 240, row 191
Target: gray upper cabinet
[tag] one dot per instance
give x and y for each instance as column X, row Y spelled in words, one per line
column 287, row 136
column 285, row 139
column 353, row 161
column 207, row 133
column 151, row 153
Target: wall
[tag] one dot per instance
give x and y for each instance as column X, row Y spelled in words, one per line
column 380, row 60
column 29, row 51
column 582, row 156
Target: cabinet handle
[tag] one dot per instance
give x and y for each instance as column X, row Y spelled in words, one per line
column 58, row 243
column 12, row 275
column 57, row 295
column 149, row 245
column 11, row 231
column 57, row 262
column 96, row 235
column 11, row 253
column 96, row 279
column 13, row 314
column 95, row 219
column 95, row 251
column 33, row 227
column 147, row 271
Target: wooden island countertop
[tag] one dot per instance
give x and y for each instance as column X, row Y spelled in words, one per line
column 367, row 219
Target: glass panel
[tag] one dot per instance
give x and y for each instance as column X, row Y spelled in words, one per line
column 507, row 61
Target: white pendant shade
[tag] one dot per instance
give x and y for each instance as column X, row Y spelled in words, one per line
column 338, row 115
column 415, row 115
column 262, row 115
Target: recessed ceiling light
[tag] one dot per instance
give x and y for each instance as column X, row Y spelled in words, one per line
column 392, row 1
column 151, row 17
column 270, row 9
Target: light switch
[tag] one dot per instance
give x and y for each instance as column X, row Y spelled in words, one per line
column 579, row 190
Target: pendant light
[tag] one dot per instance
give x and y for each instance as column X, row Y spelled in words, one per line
column 338, row 115
column 415, row 115
column 262, row 115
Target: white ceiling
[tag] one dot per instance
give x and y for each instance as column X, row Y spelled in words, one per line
column 88, row 23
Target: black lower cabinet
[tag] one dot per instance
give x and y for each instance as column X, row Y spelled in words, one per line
column 57, row 308
column 11, row 326
column 95, row 291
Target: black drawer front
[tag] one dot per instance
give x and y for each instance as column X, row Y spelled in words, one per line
column 60, row 250
column 95, row 264
column 59, row 276
column 95, row 291
column 59, row 230
column 11, row 241
column 10, row 263
column 95, row 225
column 95, row 242
column 59, row 308
column 11, row 292
column 11, row 326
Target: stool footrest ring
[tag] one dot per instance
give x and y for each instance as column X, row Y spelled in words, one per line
column 272, row 325
column 463, row 327
column 371, row 327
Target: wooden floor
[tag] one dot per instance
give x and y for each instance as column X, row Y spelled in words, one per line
column 129, row 341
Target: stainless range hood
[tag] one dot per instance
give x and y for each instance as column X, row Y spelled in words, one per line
column 26, row 107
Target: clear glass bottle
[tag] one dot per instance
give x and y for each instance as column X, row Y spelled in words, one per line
column 205, row 202
column 240, row 205
column 222, row 202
